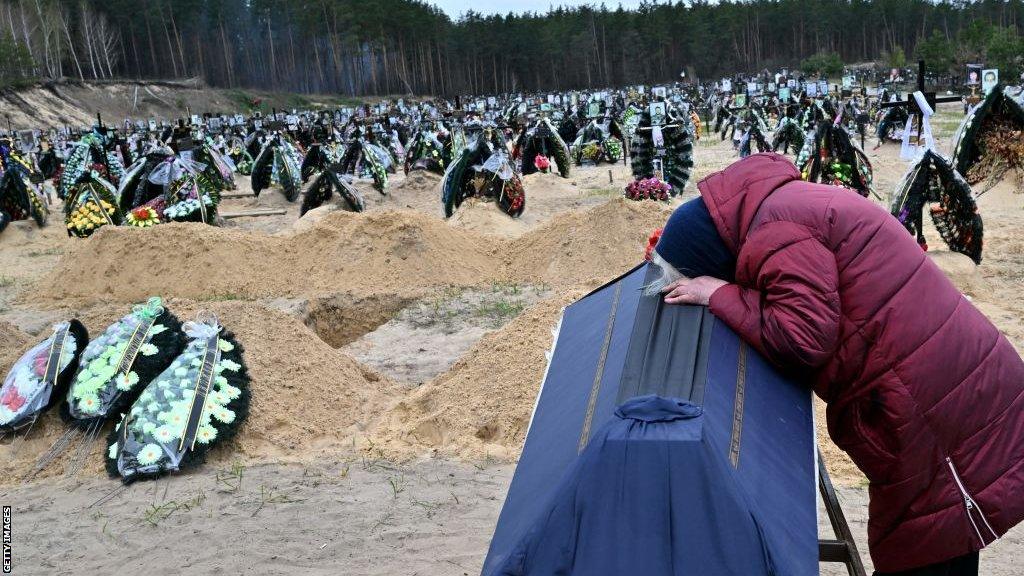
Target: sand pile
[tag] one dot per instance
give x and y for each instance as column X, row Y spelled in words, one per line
column 389, row 251
column 380, row 251
column 840, row 467
column 13, row 343
column 128, row 264
column 306, row 396
column 55, row 104
column 419, row 182
column 577, row 247
column 481, row 407
column 386, row 251
column 419, row 191
column 961, row 270
column 1002, row 267
column 11, row 338
column 482, row 216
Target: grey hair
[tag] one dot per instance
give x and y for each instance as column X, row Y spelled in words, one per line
column 668, row 275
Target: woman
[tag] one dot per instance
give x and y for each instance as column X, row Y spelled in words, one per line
column 923, row 392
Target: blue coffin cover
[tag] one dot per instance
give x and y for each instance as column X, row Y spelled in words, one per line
column 660, row 444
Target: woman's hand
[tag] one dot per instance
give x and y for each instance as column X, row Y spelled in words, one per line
column 692, row 290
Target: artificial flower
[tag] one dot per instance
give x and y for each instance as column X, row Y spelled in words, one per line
column 206, row 434
column 166, row 434
column 12, row 400
column 177, row 418
column 125, row 382
column 649, row 189
column 149, row 454
column 652, row 241
column 40, row 362
column 224, row 415
column 89, row 404
column 143, row 217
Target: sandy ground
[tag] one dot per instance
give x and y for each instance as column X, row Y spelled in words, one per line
column 367, row 517
column 395, row 358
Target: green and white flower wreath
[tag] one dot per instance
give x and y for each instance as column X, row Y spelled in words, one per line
column 166, row 428
column 130, row 352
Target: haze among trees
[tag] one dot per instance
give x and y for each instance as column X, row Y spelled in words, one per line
column 360, row 47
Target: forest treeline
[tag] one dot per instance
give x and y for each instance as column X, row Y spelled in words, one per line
column 361, row 47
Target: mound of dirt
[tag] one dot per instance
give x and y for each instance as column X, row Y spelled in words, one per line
column 420, row 182
column 307, row 398
column 481, row 407
column 420, row 191
column 840, row 467
column 374, row 252
column 126, row 264
column 577, row 247
column 13, row 343
column 390, row 251
column 481, row 215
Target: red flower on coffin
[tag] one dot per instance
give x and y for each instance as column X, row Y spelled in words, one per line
column 652, row 242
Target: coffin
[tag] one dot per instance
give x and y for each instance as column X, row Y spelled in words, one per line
column 724, row 485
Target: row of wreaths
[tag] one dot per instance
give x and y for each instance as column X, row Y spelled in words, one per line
column 160, row 391
column 988, row 146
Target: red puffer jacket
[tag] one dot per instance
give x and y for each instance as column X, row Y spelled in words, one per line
column 923, row 392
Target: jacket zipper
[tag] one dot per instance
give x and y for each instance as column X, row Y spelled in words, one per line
column 971, row 505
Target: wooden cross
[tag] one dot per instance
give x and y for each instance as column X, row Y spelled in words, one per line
column 911, row 103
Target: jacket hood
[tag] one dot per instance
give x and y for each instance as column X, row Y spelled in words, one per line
column 734, row 195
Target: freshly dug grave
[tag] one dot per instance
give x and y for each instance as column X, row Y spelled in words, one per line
column 309, row 398
column 425, row 339
column 342, row 318
column 481, row 407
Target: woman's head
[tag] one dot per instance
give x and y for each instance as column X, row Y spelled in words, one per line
column 691, row 246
